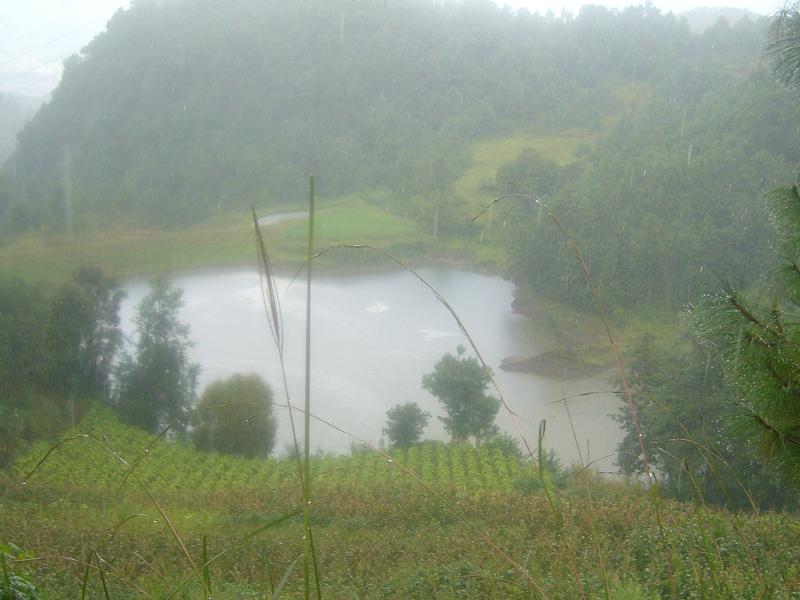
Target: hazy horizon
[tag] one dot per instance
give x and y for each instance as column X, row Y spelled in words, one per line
column 36, row 37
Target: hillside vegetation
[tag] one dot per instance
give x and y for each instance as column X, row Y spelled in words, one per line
column 184, row 110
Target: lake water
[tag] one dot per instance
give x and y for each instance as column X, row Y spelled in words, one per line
column 373, row 337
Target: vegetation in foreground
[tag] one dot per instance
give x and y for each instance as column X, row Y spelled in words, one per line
column 378, row 532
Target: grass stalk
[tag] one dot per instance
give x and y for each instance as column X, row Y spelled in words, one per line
column 308, row 547
column 101, row 571
column 86, row 575
column 206, row 570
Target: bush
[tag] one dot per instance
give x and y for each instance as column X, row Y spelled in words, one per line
column 234, row 416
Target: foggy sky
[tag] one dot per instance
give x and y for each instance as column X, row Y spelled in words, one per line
column 37, row 35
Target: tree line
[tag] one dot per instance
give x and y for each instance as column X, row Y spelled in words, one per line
column 62, row 350
column 720, row 408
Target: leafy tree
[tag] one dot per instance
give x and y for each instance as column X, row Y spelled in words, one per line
column 156, row 386
column 234, row 416
column 505, row 443
column 83, row 334
column 405, row 424
column 102, row 335
column 692, row 430
column 57, row 345
column 460, row 385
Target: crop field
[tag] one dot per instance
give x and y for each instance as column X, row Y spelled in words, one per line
column 462, row 529
column 167, row 466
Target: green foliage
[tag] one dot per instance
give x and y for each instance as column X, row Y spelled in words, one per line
column 156, row 386
column 234, row 416
column 405, row 424
column 758, row 343
column 377, row 532
column 57, row 345
column 145, row 111
column 178, row 466
column 692, row 430
column 460, row 385
column 14, row 586
column 505, row 443
column 670, row 197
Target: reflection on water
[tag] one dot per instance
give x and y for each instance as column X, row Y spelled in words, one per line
column 373, row 337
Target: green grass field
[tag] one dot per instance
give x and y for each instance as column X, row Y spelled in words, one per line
column 477, row 527
column 489, row 155
column 221, row 241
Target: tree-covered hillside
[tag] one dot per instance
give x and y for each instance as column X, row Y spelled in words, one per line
column 183, row 108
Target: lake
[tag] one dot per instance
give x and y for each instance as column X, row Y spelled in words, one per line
column 373, row 337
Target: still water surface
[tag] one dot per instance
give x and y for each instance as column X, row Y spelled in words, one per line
column 373, row 337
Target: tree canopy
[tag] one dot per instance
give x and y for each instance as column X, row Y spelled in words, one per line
column 405, row 424
column 693, row 431
column 234, row 416
column 156, row 386
column 460, row 384
column 57, row 347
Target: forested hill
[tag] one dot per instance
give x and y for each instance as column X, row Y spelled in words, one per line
column 183, row 108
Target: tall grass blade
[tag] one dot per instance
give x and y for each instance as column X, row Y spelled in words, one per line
column 308, row 554
column 275, row 314
column 541, row 459
column 277, row 591
column 101, row 571
column 86, row 575
column 266, row 565
column 272, row 310
column 206, row 570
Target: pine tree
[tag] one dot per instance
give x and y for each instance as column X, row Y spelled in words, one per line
column 758, row 342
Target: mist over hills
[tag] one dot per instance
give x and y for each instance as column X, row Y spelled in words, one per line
column 702, row 18
column 182, row 108
column 15, row 111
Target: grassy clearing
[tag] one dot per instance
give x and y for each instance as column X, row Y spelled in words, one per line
column 376, row 536
column 222, row 241
column 489, row 155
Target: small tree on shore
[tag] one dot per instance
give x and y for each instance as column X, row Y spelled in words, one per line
column 460, row 384
column 157, row 385
column 405, row 424
column 234, row 416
